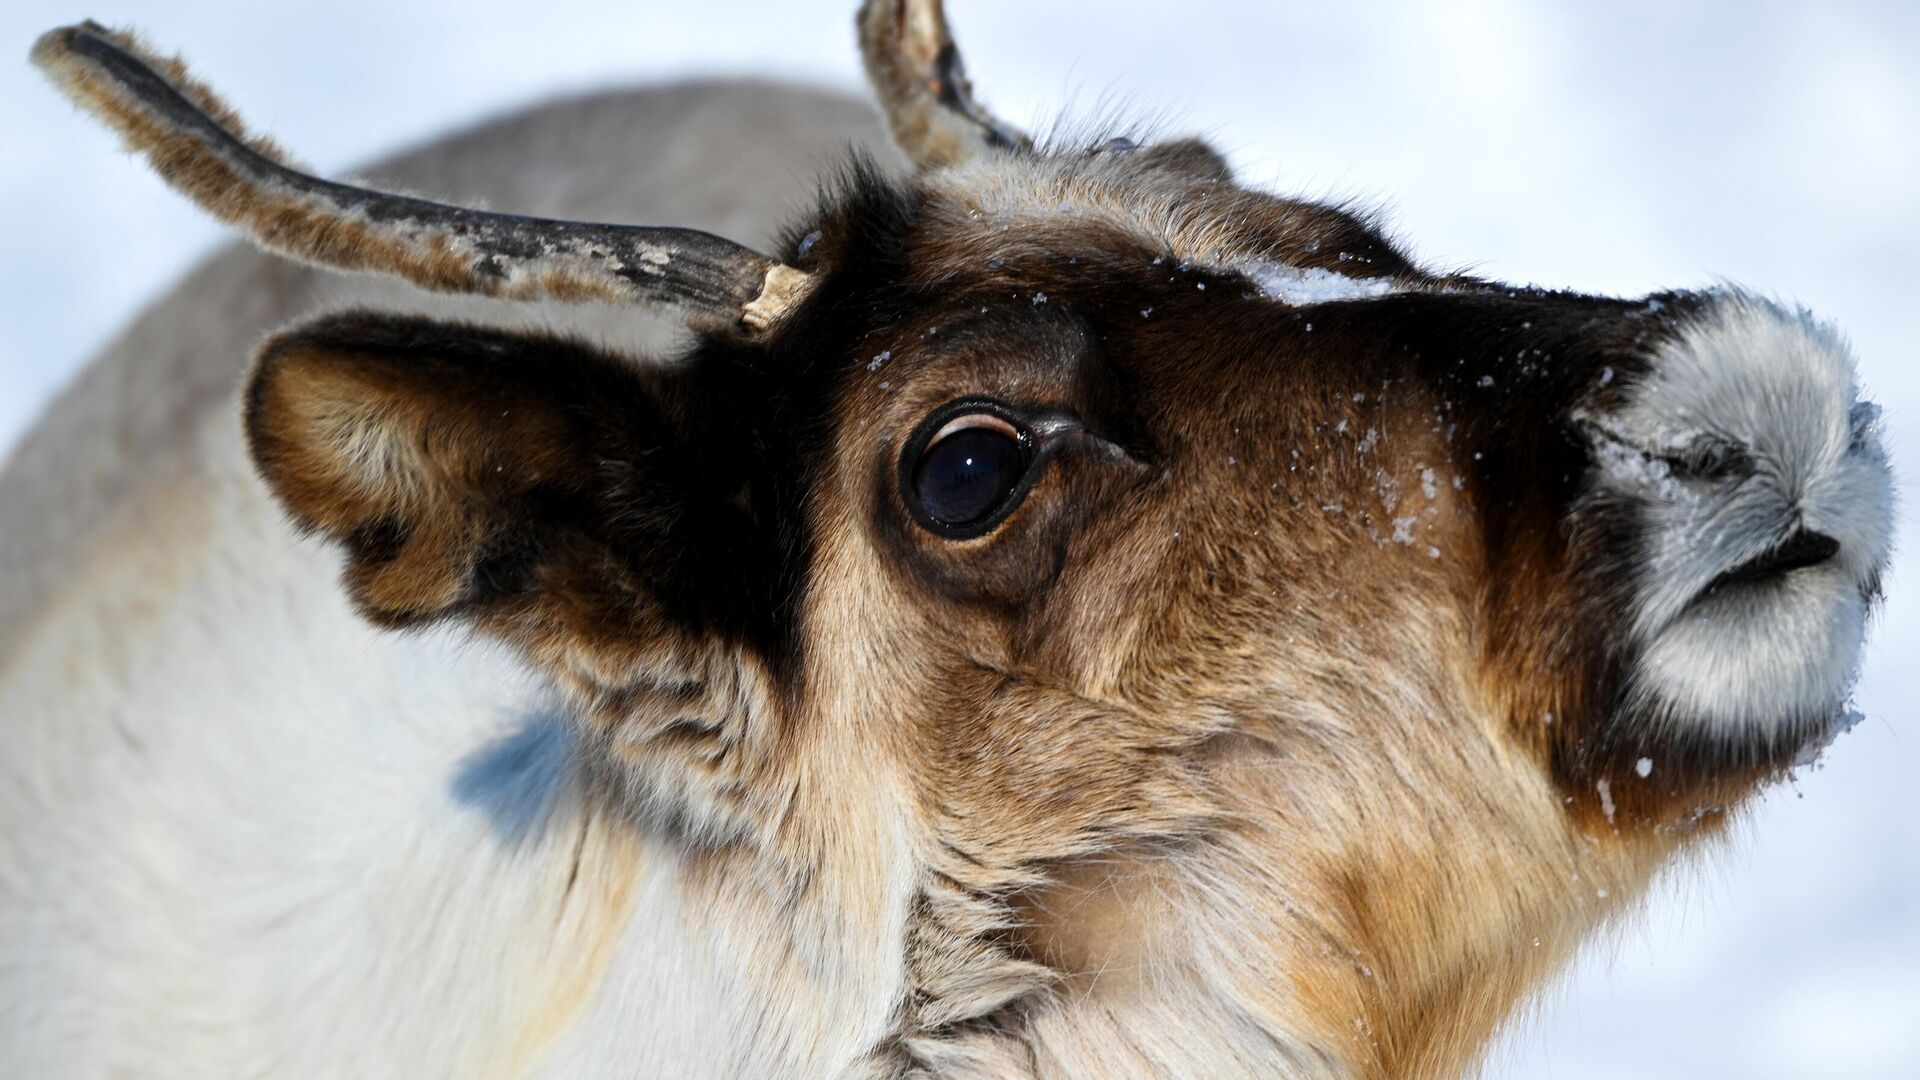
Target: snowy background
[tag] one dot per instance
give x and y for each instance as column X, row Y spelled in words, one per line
column 1610, row 146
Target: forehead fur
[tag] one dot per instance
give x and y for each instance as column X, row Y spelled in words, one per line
column 1005, row 209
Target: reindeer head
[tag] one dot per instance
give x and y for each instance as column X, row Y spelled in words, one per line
column 1115, row 617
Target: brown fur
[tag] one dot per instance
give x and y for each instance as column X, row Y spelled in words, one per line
column 1293, row 696
column 1226, row 749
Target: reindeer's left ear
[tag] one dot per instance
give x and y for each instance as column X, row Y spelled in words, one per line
column 598, row 515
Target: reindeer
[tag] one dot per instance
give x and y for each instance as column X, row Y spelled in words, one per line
column 1063, row 613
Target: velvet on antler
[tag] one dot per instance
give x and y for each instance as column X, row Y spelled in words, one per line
column 916, row 71
column 198, row 144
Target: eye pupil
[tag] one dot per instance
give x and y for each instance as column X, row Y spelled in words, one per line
column 966, row 476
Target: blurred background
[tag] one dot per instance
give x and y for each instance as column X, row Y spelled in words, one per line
column 1616, row 147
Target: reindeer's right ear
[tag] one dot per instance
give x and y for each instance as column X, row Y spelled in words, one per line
column 597, row 514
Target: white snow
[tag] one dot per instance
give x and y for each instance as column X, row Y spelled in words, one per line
column 1298, row 286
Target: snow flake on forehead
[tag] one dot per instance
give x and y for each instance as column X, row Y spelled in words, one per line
column 1301, row 286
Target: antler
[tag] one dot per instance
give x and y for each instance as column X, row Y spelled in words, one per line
column 917, row 74
column 198, row 145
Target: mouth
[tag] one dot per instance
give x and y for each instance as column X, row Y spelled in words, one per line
column 1765, row 653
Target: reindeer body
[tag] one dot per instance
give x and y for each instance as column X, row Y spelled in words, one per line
column 413, row 775
column 1066, row 614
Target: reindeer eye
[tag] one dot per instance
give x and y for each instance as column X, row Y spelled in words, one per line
column 968, row 471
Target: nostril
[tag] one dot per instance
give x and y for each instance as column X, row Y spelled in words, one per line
column 1711, row 459
column 1804, row 548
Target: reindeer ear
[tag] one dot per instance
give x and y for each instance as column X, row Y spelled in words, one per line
column 548, row 493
